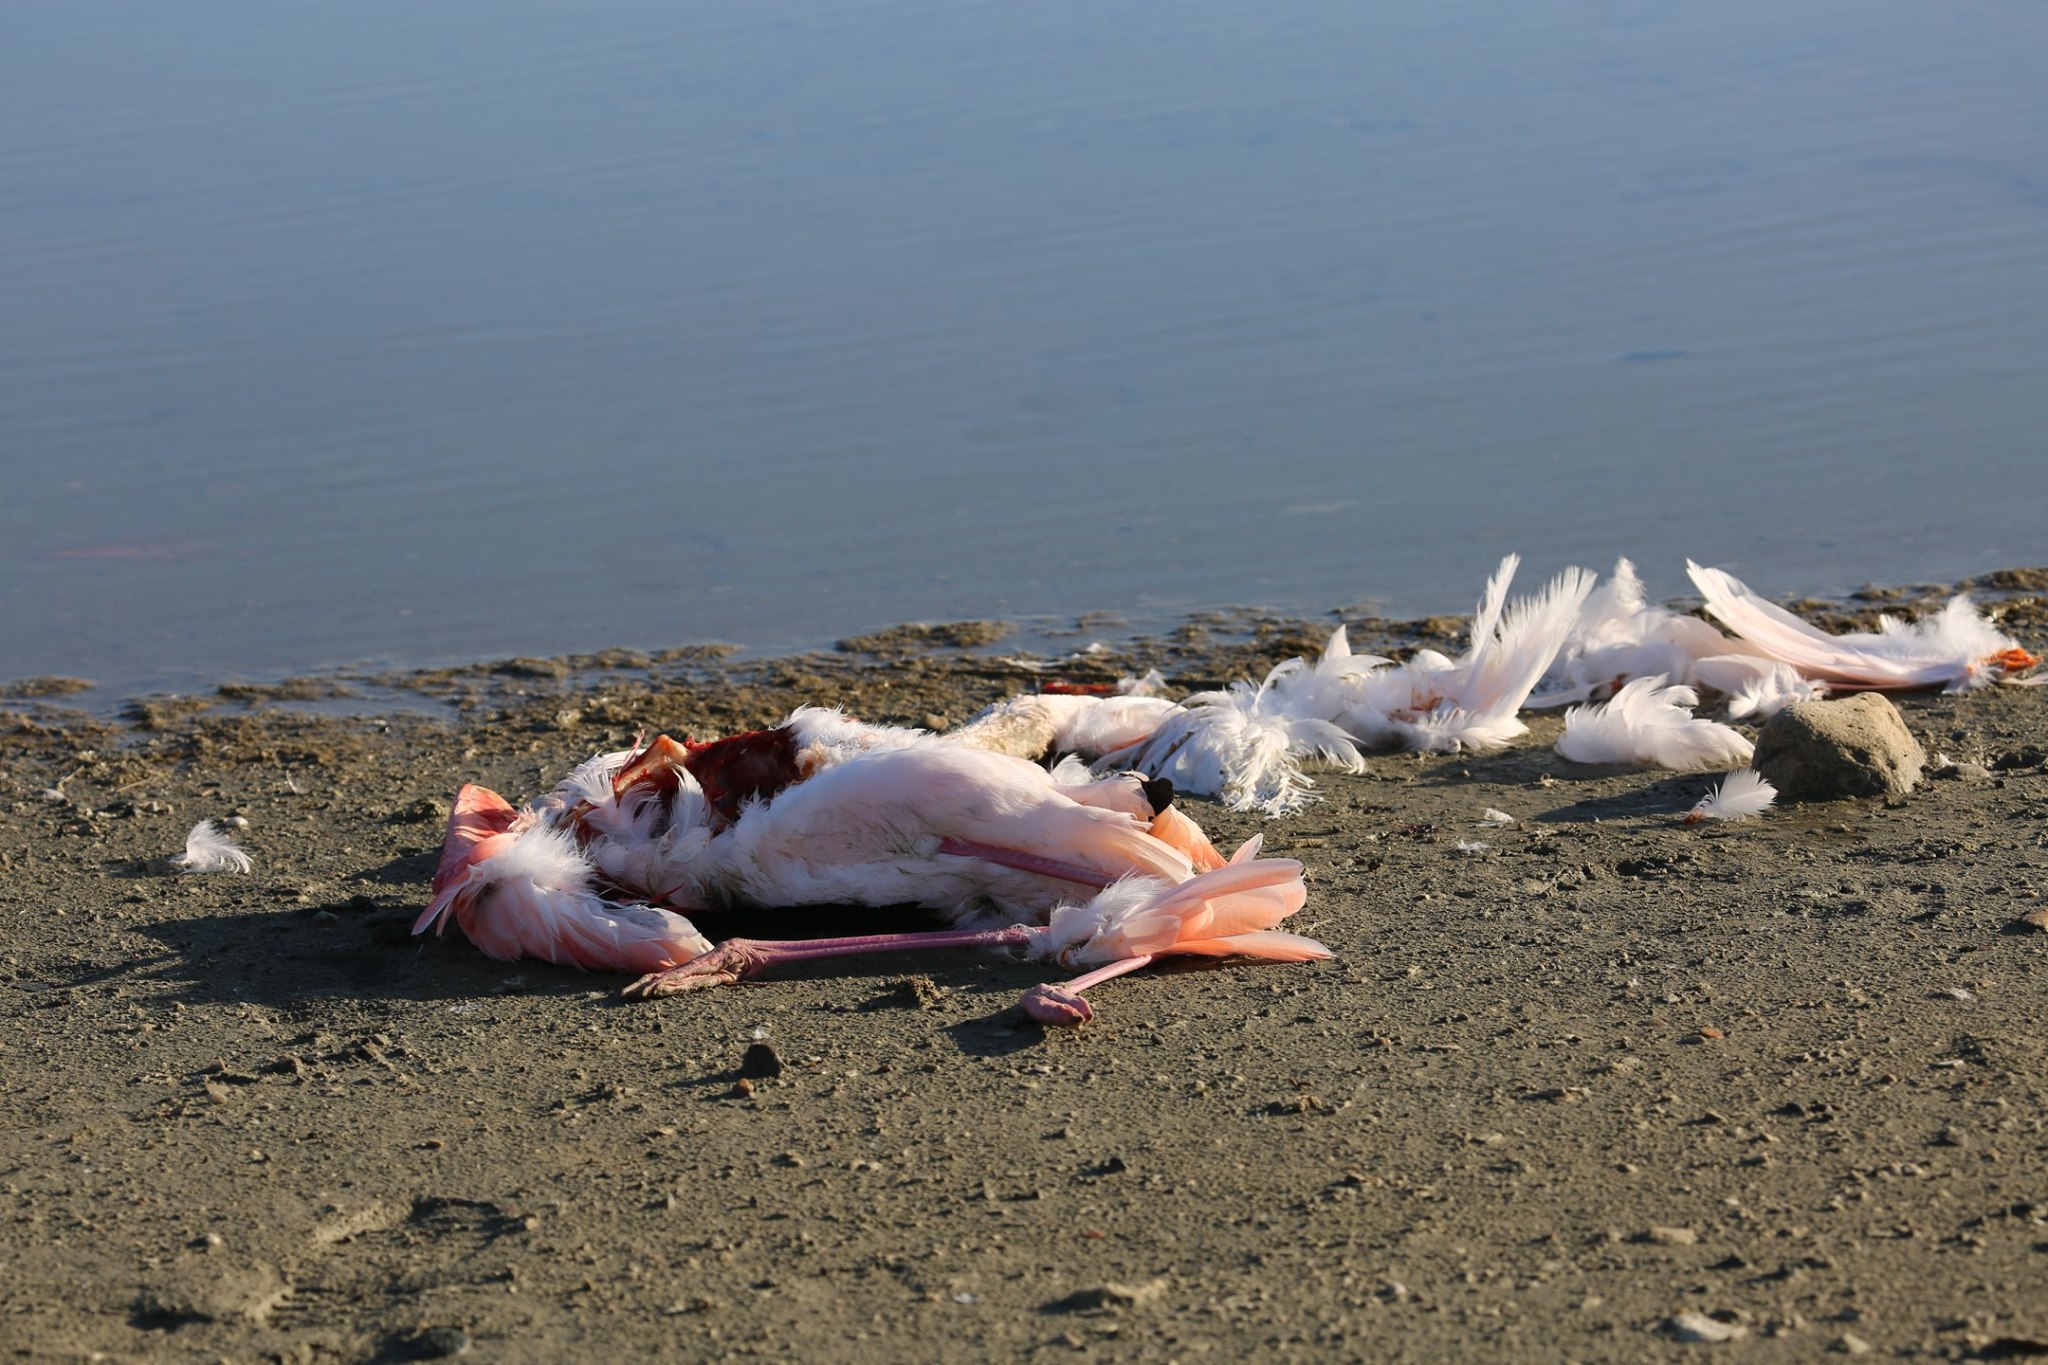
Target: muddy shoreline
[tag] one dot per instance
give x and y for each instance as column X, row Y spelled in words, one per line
column 1550, row 1097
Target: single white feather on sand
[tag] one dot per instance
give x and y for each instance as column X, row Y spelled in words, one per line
column 208, row 849
column 1496, row 819
column 1648, row 722
column 1741, row 796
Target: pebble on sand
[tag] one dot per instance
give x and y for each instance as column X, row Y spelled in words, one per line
column 1698, row 1327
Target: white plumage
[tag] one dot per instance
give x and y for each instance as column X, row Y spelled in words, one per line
column 1619, row 635
column 1650, row 721
column 209, row 849
column 1771, row 691
column 1954, row 648
column 1244, row 746
column 869, row 832
column 1741, row 796
column 533, row 898
column 1040, row 723
column 1440, row 705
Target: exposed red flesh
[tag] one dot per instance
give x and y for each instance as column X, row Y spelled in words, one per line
column 741, row 768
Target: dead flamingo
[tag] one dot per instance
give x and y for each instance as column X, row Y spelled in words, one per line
column 1228, row 912
column 826, row 811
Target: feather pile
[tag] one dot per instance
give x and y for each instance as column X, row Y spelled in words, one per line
column 1620, row 635
column 1955, row 648
column 209, row 849
column 1244, row 746
column 1439, row 705
column 1248, row 746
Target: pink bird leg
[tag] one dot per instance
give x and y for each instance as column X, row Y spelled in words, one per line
column 1059, row 1003
column 739, row 958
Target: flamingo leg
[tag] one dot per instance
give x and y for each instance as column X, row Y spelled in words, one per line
column 739, row 958
column 1026, row 862
column 1059, row 1003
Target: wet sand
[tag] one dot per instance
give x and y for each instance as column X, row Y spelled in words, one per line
column 1550, row 1095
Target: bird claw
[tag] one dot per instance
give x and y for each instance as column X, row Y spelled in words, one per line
column 1055, row 1006
column 724, row 965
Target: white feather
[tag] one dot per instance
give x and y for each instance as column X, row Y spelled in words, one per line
column 1739, row 797
column 1649, row 722
column 1763, row 697
column 1954, row 648
column 824, row 735
column 1150, row 684
column 1244, row 746
column 1441, row 705
column 1040, row 723
column 208, row 849
column 1496, row 819
column 1070, row 771
column 1620, row 635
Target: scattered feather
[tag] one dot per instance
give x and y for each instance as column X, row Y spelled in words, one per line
column 1650, row 722
column 1741, row 796
column 1151, row 684
column 1620, row 635
column 1765, row 696
column 1496, row 819
column 1245, row 746
column 1474, row 846
column 1439, row 705
column 1954, row 648
column 208, row 849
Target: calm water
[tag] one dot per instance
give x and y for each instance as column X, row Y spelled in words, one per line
column 425, row 332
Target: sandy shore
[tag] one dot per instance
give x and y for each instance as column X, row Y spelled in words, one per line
column 1552, row 1095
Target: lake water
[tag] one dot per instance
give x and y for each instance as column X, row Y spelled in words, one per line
column 428, row 332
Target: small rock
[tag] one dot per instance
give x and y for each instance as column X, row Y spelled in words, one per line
column 760, row 1062
column 1850, row 1344
column 1698, row 1327
column 1669, row 1237
column 1835, row 750
column 2035, row 921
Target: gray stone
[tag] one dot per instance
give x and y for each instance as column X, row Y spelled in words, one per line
column 1834, row 750
column 1698, row 1328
